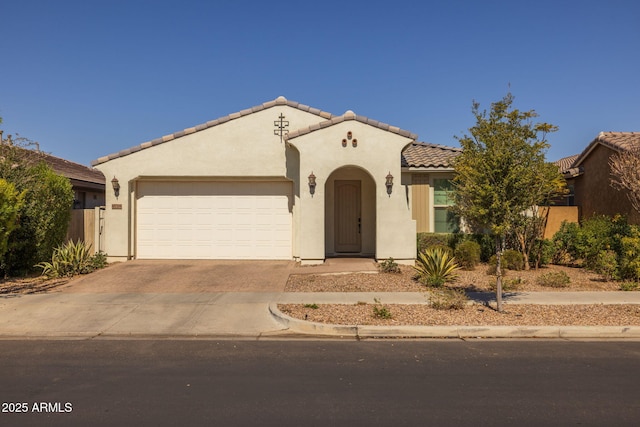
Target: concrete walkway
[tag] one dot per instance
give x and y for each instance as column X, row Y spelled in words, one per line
column 216, row 299
column 255, row 315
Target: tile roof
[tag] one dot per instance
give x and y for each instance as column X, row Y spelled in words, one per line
column 73, row 171
column 281, row 100
column 424, row 155
column 617, row 141
column 66, row 168
column 349, row 115
column 565, row 163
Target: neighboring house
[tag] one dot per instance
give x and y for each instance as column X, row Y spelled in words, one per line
column 280, row 180
column 589, row 176
column 88, row 184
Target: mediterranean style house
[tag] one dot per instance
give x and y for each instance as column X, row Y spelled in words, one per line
column 588, row 176
column 280, row 180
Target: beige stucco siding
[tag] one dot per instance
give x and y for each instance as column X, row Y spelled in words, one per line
column 378, row 153
column 244, row 148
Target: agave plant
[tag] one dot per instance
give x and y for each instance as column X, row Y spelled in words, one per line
column 436, row 266
column 67, row 260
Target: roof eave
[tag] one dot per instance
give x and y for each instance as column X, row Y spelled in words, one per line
column 280, row 101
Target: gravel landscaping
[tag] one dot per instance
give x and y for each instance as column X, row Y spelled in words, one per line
column 473, row 281
column 475, row 314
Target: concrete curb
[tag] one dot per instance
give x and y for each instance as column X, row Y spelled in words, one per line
column 367, row 331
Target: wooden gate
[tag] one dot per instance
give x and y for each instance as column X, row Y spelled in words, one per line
column 86, row 226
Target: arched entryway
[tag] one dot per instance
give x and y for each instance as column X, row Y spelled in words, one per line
column 350, row 213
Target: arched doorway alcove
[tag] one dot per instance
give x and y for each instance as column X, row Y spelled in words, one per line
column 350, row 213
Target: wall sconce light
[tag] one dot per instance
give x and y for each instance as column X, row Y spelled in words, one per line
column 312, row 184
column 344, row 142
column 354, row 142
column 389, row 183
column 116, row 186
column 349, row 135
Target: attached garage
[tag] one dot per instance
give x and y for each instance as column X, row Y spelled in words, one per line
column 213, row 220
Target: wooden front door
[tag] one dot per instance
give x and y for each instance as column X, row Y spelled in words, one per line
column 347, row 216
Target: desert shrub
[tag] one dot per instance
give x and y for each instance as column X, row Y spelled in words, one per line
column 436, row 266
column 541, row 253
column 429, row 240
column 389, row 266
column 630, row 255
column 71, row 259
column 564, row 242
column 487, row 244
column 512, row 260
column 381, row 311
column 606, row 264
column 597, row 234
column 98, row 261
column 554, row 279
column 448, row 299
column 467, row 254
column 508, row 285
column 629, row 286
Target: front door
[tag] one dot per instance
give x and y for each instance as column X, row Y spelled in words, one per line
column 347, row 216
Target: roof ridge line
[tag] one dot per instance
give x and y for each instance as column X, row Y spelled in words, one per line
column 350, row 115
column 281, row 100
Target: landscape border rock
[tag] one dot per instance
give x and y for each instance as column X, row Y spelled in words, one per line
column 367, row 331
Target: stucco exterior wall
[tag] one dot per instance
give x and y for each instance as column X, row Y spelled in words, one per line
column 593, row 192
column 378, row 153
column 244, row 148
column 556, row 216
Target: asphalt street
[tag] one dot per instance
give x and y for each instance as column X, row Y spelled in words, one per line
column 315, row 382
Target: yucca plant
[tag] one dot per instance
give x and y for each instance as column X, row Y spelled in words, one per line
column 67, row 260
column 435, row 267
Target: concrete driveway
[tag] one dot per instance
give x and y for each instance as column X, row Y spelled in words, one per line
column 185, row 276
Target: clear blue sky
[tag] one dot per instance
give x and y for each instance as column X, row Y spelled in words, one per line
column 88, row 78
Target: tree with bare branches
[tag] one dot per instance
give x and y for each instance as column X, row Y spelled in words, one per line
column 625, row 171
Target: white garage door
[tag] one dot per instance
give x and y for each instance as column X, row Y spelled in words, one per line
column 213, row 220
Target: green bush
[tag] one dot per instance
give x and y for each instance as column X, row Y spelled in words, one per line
column 564, row 243
column 435, row 266
column 448, row 299
column 428, row 240
column 389, row 266
column 541, row 253
column 609, row 246
column 554, row 279
column 467, row 254
column 630, row 254
column 507, row 285
column 381, row 311
column 487, row 244
column 511, row 260
column 44, row 217
column 606, row 264
column 71, row 259
column 629, row 286
column 11, row 203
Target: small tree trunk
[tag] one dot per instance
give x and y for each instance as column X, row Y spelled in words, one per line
column 525, row 259
column 499, row 243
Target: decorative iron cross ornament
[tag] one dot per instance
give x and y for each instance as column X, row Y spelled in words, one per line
column 281, row 127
